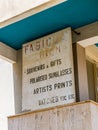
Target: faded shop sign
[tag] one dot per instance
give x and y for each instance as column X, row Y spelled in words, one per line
column 48, row 77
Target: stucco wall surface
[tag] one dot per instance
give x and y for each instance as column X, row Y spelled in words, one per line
column 10, row 8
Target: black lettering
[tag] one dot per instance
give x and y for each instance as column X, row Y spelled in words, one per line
column 71, row 96
column 35, row 69
column 41, row 78
column 66, row 71
column 63, row 98
column 26, row 49
column 69, row 83
column 59, row 61
column 48, row 42
column 42, row 102
column 59, row 85
column 32, row 80
column 42, row 89
column 36, row 91
column 38, row 45
column 48, row 100
column 55, row 62
column 54, row 74
column 31, row 47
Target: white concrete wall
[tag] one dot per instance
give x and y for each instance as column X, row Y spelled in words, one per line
column 10, row 8
column 6, row 93
column 17, row 77
column 14, row 57
column 8, row 53
column 78, row 116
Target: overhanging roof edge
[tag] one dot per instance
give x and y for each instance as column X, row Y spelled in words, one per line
column 30, row 12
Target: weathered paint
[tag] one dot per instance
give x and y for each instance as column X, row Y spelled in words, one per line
column 48, row 77
column 76, row 116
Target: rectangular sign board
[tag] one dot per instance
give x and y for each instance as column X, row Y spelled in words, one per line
column 48, row 76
